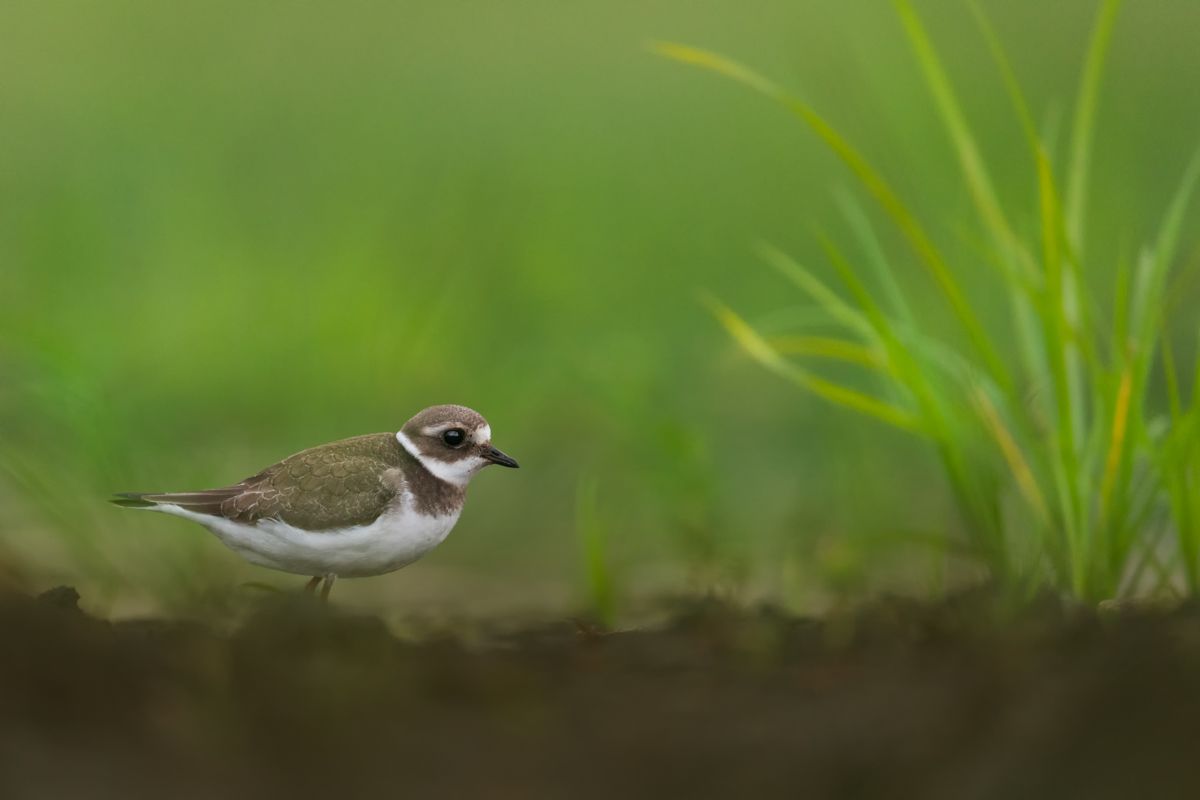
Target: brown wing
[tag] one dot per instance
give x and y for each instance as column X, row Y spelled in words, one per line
column 337, row 485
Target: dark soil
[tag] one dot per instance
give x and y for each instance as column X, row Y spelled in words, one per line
column 899, row 700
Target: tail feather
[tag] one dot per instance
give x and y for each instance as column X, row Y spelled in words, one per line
column 131, row 500
column 206, row 502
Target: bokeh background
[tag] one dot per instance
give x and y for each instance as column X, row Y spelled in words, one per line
column 229, row 231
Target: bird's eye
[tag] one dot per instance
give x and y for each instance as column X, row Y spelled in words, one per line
column 454, row 437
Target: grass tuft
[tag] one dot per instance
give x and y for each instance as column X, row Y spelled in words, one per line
column 1067, row 428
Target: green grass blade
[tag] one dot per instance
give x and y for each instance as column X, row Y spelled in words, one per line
column 1117, row 440
column 1153, row 269
column 811, row 285
column 594, row 540
column 1171, row 374
column 761, row 351
column 1083, row 125
column 905, row 368
column 875, row 185
column 1007, row 74
column 1023, row 474
column 860, row 226
column 978, row 180
column 1058, row 338
column 829, row 348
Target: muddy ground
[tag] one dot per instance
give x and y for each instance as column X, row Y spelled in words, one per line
column 954, row 700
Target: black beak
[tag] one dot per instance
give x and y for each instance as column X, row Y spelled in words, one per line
column 496, row 457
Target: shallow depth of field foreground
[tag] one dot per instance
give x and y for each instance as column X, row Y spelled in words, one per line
column 948, row 700
column 848, row 350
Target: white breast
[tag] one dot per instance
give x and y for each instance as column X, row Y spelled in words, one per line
column 397, row 538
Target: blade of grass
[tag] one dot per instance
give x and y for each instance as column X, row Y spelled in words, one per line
column 1056, row 339
column 810, row 284
column 860, row 225
column 594, row 539
column 872, row 181
column 1062, row 302
column 762, row 352
column 1027, row 484
column 1117, row 441
column 1152, row 278
column 978, row 179
column 903, row 367
column 1083, row 125
column 829, row 348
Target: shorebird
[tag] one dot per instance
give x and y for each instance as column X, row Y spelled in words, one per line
column 357, row 507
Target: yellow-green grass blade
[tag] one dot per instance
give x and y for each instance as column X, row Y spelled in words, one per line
column 1064, row 289
column 875, row 185
column 1083, row 125
column 1118, row 439
column 906, row 370
column 722, row 65
column 829, row 348
column 761, row 351
column 978, row 179
column 1121, row 397
column 1022, row 473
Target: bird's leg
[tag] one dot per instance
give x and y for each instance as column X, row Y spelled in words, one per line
column 311, row 586
column 329, row 579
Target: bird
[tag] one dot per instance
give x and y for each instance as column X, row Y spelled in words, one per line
column 357, row 507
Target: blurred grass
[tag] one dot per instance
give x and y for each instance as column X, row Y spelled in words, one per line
column 1073, row 459
column 227, row 233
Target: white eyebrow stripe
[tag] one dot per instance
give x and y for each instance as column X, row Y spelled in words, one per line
column 407, row 444
column 483, row 433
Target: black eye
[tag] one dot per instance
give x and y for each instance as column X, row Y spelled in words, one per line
column 454, row 437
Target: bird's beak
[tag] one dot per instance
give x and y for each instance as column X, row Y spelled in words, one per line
column 496, row 457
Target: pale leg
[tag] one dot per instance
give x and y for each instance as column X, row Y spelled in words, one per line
column 329, row 579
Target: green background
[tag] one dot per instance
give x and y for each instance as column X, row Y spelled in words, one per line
column 229, row 231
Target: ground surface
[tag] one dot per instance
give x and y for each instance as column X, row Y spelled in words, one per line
column 896, row 701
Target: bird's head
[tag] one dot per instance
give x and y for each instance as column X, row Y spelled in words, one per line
column 452, row 442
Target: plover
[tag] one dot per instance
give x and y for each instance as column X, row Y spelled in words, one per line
column 352, row 508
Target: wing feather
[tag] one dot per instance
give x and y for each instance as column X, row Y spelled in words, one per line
column 337, row 485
